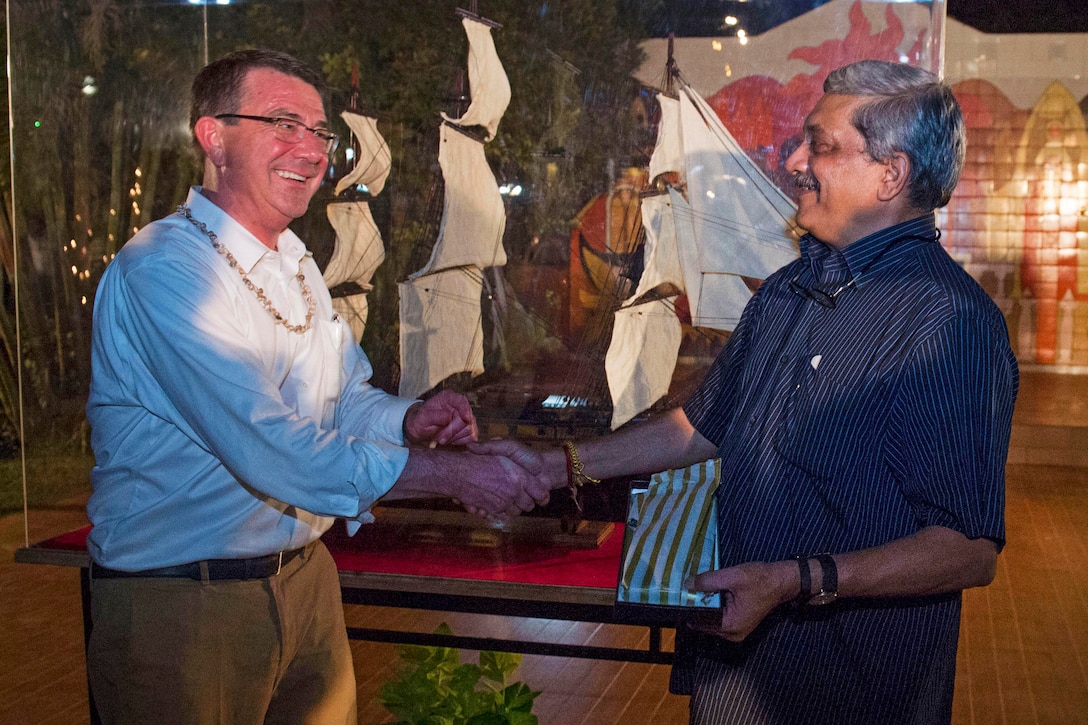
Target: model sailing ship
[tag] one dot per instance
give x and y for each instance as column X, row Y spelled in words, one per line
column 441, row 330
column 714, row 226
column 358, row 250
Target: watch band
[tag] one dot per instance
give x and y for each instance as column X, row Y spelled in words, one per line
column 829, row 590
column 806, row 579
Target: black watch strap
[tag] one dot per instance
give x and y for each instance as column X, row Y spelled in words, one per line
column 806, row 579
column 829, row 590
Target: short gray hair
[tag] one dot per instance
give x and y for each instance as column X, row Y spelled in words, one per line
column 912, row 112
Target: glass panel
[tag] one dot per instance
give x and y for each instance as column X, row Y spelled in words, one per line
column 101, row 147
column 99, row 107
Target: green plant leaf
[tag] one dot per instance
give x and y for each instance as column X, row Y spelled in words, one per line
column 439, row 720
column 522, row 718
column 488, row 718
column 433, row 687
column 412, row 698
column 497, row 665
column 415, row 653
column 518, row 697
column 464, row 678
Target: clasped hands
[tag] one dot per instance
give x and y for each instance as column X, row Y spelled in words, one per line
column 498, row 479
column 502, row 478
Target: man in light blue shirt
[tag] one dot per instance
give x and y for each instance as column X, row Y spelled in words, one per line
column 233, row 421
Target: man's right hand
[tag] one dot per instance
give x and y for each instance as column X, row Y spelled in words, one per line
column 505, row 480
column 502, row 478
column 497, row 480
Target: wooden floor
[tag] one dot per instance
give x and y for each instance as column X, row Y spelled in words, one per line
column 1023, row 647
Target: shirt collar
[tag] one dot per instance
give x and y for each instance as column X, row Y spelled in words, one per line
column 875, row 251
column 245, row 247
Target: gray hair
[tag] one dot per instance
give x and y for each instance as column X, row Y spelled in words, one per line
column 912, row 112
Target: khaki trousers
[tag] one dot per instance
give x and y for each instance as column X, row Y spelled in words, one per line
column 165, row 651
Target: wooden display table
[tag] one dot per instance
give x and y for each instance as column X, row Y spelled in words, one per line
column 499, row 574
column 484, row 573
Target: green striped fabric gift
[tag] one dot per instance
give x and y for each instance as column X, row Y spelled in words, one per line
column 671, row 534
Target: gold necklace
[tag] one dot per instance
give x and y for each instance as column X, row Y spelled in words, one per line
column 258, row 291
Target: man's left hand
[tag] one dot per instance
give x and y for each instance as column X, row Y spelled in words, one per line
column 445, row 420
column 749, row 593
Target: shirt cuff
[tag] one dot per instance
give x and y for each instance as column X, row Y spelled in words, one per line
column 381, row 465
column 390, row 426
column 353, row 525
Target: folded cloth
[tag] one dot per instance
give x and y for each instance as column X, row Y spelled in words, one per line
column 671, row 535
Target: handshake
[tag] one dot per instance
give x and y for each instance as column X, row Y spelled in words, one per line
column 495, row 479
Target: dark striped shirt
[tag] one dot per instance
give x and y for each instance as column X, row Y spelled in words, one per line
column 845, row 428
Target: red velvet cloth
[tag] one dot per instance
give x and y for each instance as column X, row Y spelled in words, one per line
column 72, row 541
column 385, row 549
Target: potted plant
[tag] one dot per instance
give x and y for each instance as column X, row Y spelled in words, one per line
column 434, row 687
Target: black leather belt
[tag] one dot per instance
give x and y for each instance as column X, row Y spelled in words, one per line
column 259, row 567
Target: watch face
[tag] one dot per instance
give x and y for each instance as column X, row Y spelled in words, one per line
column 823, row 598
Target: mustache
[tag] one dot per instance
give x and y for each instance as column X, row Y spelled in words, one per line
column 805, row 181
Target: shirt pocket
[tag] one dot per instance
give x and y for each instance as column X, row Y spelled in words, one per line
column 315, row 375
column 833, row 419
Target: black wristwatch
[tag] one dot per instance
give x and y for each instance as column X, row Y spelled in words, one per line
column 829, row 589
column 805, row 592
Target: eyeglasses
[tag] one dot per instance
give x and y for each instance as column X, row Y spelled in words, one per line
column 830, row 299
column 290, row 130
column 817, row 295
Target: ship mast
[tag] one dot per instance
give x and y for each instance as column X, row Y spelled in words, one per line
column 671, row 69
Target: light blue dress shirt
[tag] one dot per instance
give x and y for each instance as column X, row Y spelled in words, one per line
column 218, row 433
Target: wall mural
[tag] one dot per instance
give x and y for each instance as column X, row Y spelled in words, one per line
column 1018, row 219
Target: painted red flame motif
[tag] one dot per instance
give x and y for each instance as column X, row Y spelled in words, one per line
column 765, row 115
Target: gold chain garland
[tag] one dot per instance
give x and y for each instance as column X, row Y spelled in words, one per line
column 258, row 291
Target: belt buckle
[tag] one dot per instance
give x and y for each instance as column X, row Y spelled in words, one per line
column 279, row 563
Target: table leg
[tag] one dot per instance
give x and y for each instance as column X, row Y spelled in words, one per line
column 85, row 595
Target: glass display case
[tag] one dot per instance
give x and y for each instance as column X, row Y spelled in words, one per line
column 100, row 146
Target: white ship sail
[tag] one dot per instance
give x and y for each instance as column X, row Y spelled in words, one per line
column 488, row 84
column 440, row 313
column 743, row 223
column 441, row 331
column 473, row 215
column 358, row 250
column 374, row 161
column 721, row 221
column 641, row 357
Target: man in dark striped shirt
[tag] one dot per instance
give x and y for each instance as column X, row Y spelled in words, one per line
column 861, row 411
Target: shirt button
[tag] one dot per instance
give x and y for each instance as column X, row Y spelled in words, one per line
column 785, row 359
